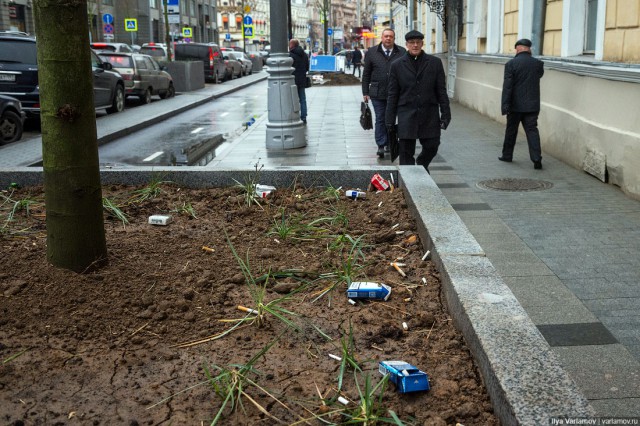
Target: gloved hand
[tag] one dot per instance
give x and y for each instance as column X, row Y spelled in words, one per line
column 505, row 111
column 444, row 123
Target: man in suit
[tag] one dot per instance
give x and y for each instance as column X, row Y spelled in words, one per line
column 521, row 102
column 375, row 79
column 417, row 96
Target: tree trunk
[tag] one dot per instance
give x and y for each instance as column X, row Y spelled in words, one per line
column 73, row 194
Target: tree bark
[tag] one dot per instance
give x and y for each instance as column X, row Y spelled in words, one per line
column 73, row 193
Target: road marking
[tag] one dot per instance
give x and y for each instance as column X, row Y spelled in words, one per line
column 199, row 129
column 244, row 103
column 224, row 114
column 152, row 156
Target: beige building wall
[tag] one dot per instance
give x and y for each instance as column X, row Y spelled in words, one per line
column 553, row 28
column 622, row 34
column 510, row 35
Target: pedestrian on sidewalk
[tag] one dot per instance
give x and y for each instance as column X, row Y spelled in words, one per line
column 375, row 79
column 417, row 96
column 348, row 57
column 356, row 60
column 300, row 68
column 521, row 101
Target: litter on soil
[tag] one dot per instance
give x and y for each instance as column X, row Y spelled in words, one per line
column 235, row 311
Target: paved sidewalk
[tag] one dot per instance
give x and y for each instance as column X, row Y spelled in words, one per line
column 569, row 253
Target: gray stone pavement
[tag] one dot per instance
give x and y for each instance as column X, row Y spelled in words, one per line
column 568, row 253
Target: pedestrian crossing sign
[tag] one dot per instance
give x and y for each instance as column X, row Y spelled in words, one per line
column 187, row 32
column 131, row 24
column 248, row 31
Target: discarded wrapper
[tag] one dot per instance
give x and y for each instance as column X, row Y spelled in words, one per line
column 380, row 183
column 159, row 219
column 353, row 194
column 368, row 290
column 405, row 376
column 263, row 191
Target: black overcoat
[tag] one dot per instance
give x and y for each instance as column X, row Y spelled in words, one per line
column 418, row 98
column 521, row 85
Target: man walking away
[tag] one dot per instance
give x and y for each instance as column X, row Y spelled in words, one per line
column 375, row 79
column 417, row 96
column 521, row 101
column 300, row 68
column 357, row 60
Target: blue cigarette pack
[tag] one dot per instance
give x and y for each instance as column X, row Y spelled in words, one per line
column 405, row 376
column 366, row 290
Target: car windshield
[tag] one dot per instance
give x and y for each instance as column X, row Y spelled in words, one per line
column 16, row 51
column 118, row 61
column 152, row 51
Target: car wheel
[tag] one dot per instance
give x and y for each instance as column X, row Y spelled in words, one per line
column 146, row 98
column 216, row 78
column 10, row 127
column 169, row 93
column 118, row 100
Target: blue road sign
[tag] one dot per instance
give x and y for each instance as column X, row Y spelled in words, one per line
column 107, row 18
column 323, row 63
column 330, row 31
column 248, row 20
column 248, row 31
column 227, row 36
column 308, row 40
column 108, row 28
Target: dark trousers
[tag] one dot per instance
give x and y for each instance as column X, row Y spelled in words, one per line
column 529, row 122
column 380, row 107
column 357, row 67
column 408, row 150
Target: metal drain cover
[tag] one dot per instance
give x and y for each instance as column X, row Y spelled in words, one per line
column 514, row 184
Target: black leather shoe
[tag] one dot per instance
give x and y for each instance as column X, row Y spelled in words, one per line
column 381, row 152
column 537, row 165
column 508, row 160
column 387, row 148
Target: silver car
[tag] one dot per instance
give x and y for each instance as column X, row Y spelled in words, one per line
column 143, row 76
column 247, row 65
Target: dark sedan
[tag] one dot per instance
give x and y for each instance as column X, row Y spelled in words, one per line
column 11, row 120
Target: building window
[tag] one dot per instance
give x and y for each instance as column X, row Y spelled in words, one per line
column 153, row 4
column 107, row 2
column 193, row 8
column 225, row 22
column 591, row 25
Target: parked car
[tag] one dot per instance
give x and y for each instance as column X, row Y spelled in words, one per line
column 247, row 65
column 143, row 76
column 112, row 47
column 208, row 53
column 19, row 77
column 157, row 50
column 233, row 66
column 11, row 120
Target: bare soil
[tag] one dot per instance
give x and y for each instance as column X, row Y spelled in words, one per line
column 340, row 79
column 132, row 343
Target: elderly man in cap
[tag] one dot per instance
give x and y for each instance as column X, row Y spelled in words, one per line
column 417, row 96
column 521, row 101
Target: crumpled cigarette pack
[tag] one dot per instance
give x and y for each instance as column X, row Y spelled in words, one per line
column 406, row 377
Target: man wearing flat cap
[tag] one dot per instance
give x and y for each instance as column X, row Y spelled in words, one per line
column 417, row 97
column 521, row 102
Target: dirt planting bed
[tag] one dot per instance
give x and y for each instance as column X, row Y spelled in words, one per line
column 135, row 342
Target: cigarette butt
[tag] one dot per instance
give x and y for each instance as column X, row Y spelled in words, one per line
column 395, row 265
column 408, row 299
column 391, row 176
column 380, row 204
column 209, row 249
column 377, row 348
column 399, row 232
column 395, row 226
column 405, row 326
column 276, row 240
column 342, row 400
column 426, row 255
column 249, row 310
column 424, row 281
column 336, row 357
column 353, row 302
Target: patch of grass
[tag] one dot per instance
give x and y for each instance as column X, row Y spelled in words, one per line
column 350, row 264
column 152, row 190
column 248, row 187
column 13, row 357
column 14, row 206
column 114, row 209
column 332, row 193
column 370, row 409
column 347, row 346
column 186, row 208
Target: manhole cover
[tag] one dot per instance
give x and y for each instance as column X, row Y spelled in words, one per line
column 513, row 184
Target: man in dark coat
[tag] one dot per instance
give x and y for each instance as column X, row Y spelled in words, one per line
column 356, row 60
column 521, row 101
column 417, row 96
column 300, row 68
column 375, row 79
